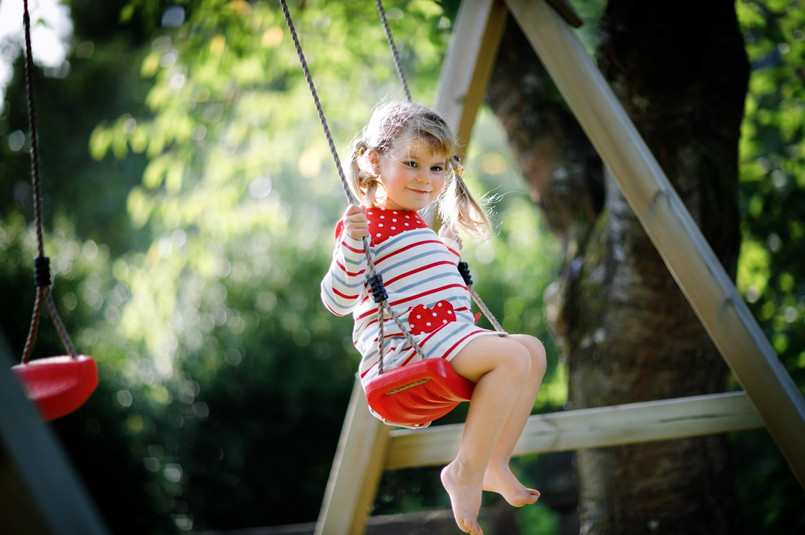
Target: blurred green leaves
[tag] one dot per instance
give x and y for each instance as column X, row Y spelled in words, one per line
column 772, row 170
column 770, row 268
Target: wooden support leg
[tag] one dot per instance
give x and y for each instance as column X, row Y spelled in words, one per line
column 357, row 468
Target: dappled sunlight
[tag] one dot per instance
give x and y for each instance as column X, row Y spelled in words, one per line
column 260, row 187
column 309, row 163
column 493, row 163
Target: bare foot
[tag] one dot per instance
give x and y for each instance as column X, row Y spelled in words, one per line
column 504, row 482
column 465, row 498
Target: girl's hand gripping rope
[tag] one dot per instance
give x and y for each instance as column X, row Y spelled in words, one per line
column 355, row 223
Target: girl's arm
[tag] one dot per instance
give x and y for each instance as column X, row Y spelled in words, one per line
column 342, row 288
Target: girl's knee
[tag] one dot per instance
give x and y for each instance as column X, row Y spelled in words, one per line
column 514, row 359
column 520, row 357
column 536, row 351
column 539, row 353
column 520, row 361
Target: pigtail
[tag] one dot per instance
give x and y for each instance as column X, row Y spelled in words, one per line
column 362, row 179
column 459, row 208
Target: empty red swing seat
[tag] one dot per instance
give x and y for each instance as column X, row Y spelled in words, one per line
column 58, row 385
column 416, row 394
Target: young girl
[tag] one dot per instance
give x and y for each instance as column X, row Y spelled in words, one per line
column 402, row 163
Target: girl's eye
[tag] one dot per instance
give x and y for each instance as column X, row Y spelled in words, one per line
column 410, row 164
column 437, row 168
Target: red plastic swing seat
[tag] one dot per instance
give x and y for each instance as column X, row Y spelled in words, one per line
column 58, row 385
column 416, row 394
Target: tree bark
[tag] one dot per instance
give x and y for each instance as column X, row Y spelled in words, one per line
column 626, row 331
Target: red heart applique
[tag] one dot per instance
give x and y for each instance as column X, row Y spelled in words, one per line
column 426, row 320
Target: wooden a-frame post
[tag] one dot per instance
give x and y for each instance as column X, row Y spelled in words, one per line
column 770, row 397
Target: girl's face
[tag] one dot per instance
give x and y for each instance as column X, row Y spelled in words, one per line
column 412, row 175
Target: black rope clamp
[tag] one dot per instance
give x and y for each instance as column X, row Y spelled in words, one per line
column 378, row 289
column 41, row 271
column 464, row 270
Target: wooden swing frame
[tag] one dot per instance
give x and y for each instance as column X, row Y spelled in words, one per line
column 770, row 397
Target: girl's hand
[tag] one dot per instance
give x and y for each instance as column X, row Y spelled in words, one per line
column 355, row 223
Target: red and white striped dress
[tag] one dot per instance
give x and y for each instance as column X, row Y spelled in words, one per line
column 424, row 287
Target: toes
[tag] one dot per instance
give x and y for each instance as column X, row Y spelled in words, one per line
column 467, row 524
column 473, row 528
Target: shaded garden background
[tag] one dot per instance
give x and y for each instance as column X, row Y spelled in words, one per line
column 190, row 200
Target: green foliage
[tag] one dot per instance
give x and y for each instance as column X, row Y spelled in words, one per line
column 770, row 274
column 772, row 171
column 537, row 520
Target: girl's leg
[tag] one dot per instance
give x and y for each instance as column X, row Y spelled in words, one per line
column 499, row 477
column 500, row 368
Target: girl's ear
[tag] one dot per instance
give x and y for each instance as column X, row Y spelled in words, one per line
column 373, row 158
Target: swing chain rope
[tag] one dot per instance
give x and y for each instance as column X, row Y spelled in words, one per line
column 372, row 274
column 464, row 270
column 394, row 53
column 485, row 309
column 319, row 109
column 41, row 262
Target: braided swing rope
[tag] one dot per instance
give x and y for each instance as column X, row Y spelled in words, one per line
column 393, row 47
column 375, row 280
column 41, row 262
column 463, row 267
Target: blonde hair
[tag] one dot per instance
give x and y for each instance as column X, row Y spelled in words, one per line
column 396, row 122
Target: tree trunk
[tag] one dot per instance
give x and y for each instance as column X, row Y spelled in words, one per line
column 626, row 331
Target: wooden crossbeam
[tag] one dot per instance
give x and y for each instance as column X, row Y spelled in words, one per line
column 368, row 447
column 590, row 428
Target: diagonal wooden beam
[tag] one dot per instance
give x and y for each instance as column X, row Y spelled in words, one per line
column 671, row 228
column 590, row 428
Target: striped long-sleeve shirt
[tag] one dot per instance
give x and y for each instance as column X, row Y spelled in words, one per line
column 423, row 284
